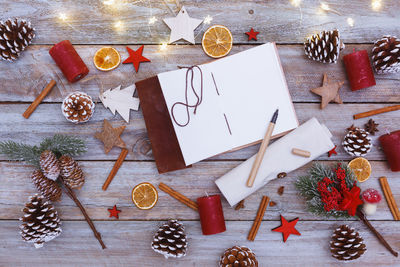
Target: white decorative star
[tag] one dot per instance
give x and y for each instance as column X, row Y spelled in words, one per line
column 182, row 26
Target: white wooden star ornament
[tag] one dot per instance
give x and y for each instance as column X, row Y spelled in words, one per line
column 120, row 100
column 182, row 26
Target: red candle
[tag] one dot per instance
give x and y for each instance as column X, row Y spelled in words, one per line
column 68, row 60
column 391, row 146
column 359, row 70
column 211, row 215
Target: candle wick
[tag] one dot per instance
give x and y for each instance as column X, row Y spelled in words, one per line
column 387, row 131
column 354, row 50
column 206, row 193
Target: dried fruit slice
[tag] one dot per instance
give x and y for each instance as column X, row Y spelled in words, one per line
column 361, row 168
column 217, row 41
column 106, row 59
column 144, row 196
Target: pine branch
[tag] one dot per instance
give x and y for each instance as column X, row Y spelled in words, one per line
column 21, row 152
column 64, row 145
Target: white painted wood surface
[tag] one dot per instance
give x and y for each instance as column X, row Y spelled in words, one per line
column 90, row 25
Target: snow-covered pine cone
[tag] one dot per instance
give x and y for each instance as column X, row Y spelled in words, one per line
column 324, row 47
column 40, row 222
column 48, row 188
column 386, row 55
column 49, row 164
column 357, row 142
column 71, row 172
column 170, row 240
column 238, row 256
column 78, row 107
column 347, row 244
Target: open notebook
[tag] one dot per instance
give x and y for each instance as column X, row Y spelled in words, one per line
column 234, row 99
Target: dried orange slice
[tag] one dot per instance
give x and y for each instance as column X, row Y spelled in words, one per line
column 144, row 196
column 217, row 41
column 106, row 58
column 361, row 168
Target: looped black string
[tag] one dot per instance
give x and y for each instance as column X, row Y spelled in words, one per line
column 186, row 103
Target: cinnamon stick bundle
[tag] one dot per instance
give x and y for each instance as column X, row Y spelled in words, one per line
column 178, row 196
column 389, row 198
column 260, row 215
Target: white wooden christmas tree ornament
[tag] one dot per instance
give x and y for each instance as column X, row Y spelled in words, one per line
column 182, row 26
column 120, row 100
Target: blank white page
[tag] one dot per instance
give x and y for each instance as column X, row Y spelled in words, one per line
column 252, row 86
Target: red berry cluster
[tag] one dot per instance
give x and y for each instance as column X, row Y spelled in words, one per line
column 332, row 190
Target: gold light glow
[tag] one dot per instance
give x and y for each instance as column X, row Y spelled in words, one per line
column 350, row 21
column 152, row 20
column 325, row 7
column 108, row 2
column 376, row 5
column 62, row 16
column 295, row 3
column 208, row 19
column 119, row 25
column 163, row 46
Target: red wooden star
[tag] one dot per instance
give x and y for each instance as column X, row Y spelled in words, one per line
column 252, row 34
column 351, row 200
column 332, row 152
column 136, row 57
column 287, row 228
column 114, row 212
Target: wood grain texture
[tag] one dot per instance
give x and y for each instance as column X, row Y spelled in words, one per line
column 48, row 120
column 193, row 183
column 24, row 79
column 128, row 244
column 92, row 22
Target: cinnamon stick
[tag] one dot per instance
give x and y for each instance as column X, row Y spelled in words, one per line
column 72, row 195
column 389, row 198
column 257, row 222
column 178, row 196
column 115, row 169
column 39, row 99
column 376, row 111
column 362, row 217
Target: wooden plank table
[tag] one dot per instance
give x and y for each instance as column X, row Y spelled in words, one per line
column 90, row 25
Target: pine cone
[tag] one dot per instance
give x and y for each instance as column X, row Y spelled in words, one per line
column 40, row 221
column 15, row 36
column 357, row 142
column 324, row 47
column 238, row 256
column 49, row 164
column 386, row 55
column 78, row 107
column 170, row 240
column 48, row 188
column 346, row 244
column 71, row 172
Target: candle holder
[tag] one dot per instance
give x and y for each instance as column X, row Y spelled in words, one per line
column 359, row 70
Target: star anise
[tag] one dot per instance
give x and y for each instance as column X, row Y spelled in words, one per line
column 371, row 126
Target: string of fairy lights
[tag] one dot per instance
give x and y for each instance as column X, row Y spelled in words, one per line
column 119, row 26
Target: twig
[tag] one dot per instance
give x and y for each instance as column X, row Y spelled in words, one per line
column 362, row 217
column 72, row 195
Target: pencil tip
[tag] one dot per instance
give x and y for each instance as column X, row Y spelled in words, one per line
column 275, row 116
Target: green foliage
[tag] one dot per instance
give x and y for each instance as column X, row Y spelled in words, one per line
column 58, row 144
column 307, row 186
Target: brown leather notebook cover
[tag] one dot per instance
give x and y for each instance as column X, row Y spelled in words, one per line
column 166, row 150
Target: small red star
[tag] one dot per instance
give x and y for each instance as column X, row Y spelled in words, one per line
column 114, row 212
column 287, row 228
column 252, row 34
column 332, row 151
column 136, row 57
column 351, row 200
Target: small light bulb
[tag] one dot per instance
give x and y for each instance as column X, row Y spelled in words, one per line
column 118, row 25
column 350, row 21
column 208, row 19
column 152, row 20
column 163, row 46
column 62, row 16
column 295, row 3
column 108, row 2
column 376, row 5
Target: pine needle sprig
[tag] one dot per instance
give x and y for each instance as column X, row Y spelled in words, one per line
column 58, row 144
column 308, row 188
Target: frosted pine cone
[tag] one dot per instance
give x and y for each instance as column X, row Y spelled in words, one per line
column 40, row 222
column 49, row 165
column 386, row 55
column 48, row 188
column 357, row 142
column 15, row 36
column 238, row 256
column 346, row 244
column 170, row 240
column 71, row 172
column 78, row 107
column 324, row 47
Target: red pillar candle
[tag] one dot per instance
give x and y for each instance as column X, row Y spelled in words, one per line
column 68, row 60
column 211, row 215
column 359, row 70
column 391, row 146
